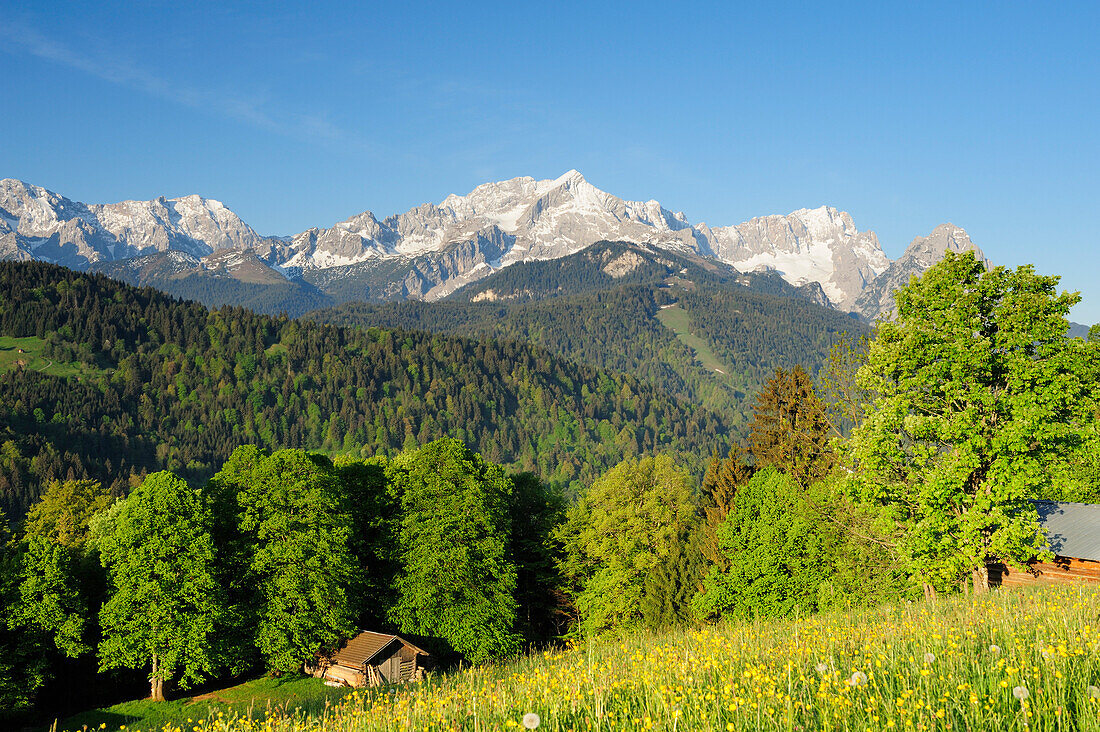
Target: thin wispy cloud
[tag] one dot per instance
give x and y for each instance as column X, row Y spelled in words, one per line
column 252, row 109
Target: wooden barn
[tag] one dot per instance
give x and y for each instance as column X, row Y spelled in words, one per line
column 1073, row 530
column 373, row 659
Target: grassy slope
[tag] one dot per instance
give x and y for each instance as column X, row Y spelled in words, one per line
column 676, row 319
column 32, row 358
column 950, row 664
column 253, row 698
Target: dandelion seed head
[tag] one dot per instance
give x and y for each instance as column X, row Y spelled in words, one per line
column 1093, row 692
column 929, row 657
column 531, row 720
column 1021, row 693
column 822, row 667
column 858, row 679
column 994, row 649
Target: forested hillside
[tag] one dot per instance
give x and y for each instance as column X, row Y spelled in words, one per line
column 179, row 386
column 272, row 295
column 575, row 309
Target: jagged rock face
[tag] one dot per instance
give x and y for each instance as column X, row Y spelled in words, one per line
column 923, row 252
column 432, row 250
column 51, row 227
column 810, row 245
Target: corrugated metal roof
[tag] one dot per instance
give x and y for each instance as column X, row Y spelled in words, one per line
column 361, row 649
column 1072, row 528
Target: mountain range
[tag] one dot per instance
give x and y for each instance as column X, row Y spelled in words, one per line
column 197, row 247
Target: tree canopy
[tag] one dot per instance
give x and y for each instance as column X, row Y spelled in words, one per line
column 456, row 581
column 630, row 522
column 296, row 519
column 164, row 603
column 978, row 394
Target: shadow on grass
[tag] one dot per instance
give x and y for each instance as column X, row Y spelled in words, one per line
column 254, row 698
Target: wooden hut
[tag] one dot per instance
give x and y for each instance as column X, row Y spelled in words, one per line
column 373, row 659
column 1073, row 530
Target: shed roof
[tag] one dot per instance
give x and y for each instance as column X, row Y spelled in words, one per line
column 362, row 649
column 1072, row 528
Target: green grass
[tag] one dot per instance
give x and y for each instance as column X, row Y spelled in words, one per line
column 1014, row 659
column 32, row 358
column 676, row 319
column 252, row 698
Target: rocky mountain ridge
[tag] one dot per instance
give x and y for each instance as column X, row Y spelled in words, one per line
column 433, row 250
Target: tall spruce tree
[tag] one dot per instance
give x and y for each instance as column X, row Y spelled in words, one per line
column 790, row 430
column 536, row 511
column 163, row 601
column 723, row 478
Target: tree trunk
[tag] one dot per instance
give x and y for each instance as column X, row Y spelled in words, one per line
column 981, row 580
column 156, row 683
column 929, row 592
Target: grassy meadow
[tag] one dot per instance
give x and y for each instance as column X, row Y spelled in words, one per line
column 677, row 320
column 27, row 352
column 1012, row 659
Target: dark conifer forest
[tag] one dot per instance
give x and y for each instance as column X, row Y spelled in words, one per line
column 169, row 384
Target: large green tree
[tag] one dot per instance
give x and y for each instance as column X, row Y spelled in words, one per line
column 61, row 581
column 163, row 600
column 537, row 509
column 777, row 548
column 295, row 518
column 23, row 666
column 787, row 549
column 631, row 521
column 979, row 395
column 456, row 581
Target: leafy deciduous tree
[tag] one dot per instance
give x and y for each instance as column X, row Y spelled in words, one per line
column 294, row 515
column 631, row 521
column 456, row 581
column 61, row 581
column 163, row 600
column 978, row 394
column 777, row 550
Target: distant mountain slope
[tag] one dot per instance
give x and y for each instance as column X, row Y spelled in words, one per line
column 923, row 252
column 600, row 307
column 433, row 250
column 230, row 276
column 183, row 385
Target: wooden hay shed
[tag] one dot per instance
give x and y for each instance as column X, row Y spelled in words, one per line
column 373, row 659
column 1073, row 530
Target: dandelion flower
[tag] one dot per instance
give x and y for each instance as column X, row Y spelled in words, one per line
column 1021, row 693
column 531, row 720
column 858, row 679
column 1094, row 692
column 929, row 657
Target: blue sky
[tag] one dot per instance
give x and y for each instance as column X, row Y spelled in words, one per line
column 906, row 115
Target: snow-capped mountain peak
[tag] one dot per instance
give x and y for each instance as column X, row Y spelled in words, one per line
column 440, row 247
